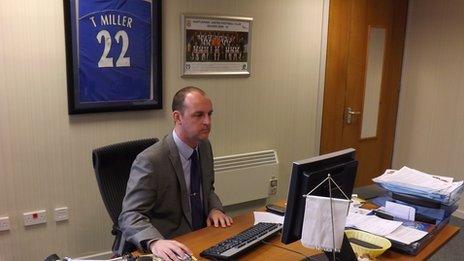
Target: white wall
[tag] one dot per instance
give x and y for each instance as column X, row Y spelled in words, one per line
column 45, row 154
column 430, row 125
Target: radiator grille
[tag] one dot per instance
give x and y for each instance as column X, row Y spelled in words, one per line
column 245, row 160
column 245, row 177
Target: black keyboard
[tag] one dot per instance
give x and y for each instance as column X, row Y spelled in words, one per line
column 241, row 242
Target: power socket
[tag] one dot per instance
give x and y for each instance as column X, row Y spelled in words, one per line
column 273, row 186
column 4, row 223
column 61, row 214
column 35, row 217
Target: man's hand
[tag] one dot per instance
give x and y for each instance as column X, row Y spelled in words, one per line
column 216, row 218
column 169, row 249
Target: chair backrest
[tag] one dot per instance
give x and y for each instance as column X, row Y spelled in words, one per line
column 112, row 166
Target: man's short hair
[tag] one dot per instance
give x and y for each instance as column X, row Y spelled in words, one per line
column 179, row 97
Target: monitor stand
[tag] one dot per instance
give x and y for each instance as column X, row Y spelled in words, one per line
column 345, row 254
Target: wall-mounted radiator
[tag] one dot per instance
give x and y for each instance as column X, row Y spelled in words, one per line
column 244, row 177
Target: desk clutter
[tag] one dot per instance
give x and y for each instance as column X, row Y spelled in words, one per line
column 413, row 209
column 431, row 190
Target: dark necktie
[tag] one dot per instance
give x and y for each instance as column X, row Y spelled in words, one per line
column 198, row 216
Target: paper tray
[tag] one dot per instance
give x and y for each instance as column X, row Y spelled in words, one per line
column 417, row 246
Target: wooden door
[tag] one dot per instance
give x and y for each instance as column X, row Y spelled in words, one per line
column 363, row 72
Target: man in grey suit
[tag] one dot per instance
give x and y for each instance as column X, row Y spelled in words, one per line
column 171, row 186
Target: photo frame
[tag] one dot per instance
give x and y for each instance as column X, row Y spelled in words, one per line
column 113, row 52
column 215, row 45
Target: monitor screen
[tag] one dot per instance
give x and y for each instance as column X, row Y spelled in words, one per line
column 306, row 175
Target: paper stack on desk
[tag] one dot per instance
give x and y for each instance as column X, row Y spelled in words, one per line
column 267, row 217
column 422, row 203
column 390, row 229
column 413, row 182
column 406, row 235
column 372, row 224
column 431, row 215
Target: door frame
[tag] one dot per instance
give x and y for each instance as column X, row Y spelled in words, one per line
column 321, row 80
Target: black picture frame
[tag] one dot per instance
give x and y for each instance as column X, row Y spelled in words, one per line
column 86, row 93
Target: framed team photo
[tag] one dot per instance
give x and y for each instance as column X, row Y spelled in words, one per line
column 113, row 50
column 215, row 45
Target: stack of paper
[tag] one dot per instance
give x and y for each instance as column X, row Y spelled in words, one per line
column 267, row 217
column 414, row 182
column 406, row 235
column 388, row 228
column 372, row 224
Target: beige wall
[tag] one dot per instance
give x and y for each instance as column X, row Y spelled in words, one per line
column 45, row 154
column 430, row 125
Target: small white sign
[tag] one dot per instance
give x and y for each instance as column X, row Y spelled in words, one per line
column 400, row 211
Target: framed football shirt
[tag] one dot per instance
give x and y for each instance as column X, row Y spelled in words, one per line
column 113, row 55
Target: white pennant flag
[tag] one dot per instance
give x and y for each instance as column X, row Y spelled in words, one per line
column 317, row 225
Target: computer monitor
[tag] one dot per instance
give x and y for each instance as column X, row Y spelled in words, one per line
column 306, row 175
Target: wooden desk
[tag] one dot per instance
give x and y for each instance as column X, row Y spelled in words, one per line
column 204, row 238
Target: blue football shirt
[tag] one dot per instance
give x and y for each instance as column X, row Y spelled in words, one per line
column 114, row 50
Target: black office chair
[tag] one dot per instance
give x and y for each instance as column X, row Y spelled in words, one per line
column 112, row 166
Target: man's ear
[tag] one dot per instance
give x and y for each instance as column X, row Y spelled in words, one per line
column 176, row 116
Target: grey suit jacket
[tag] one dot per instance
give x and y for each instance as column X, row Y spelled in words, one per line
column 156, row 204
